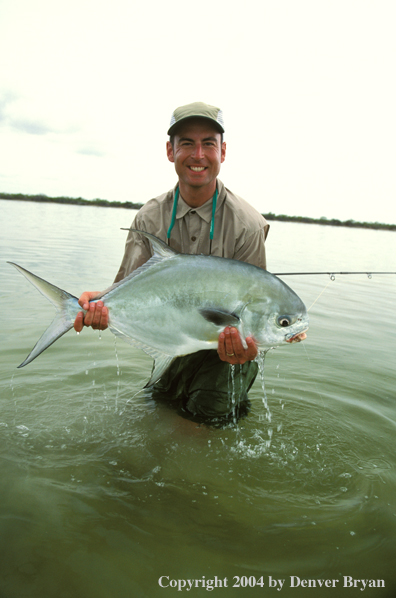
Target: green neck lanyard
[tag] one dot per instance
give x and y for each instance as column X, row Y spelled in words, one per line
column 174, row 210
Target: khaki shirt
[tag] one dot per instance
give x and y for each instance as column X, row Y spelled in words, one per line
column 239, row 230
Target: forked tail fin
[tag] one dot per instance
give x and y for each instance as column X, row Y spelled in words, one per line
column 67, row 308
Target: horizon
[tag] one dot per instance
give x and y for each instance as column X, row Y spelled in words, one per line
column 106, row 203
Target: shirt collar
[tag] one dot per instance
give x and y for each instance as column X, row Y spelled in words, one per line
column 204, row 211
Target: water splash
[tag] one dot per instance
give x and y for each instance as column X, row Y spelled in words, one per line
column 260, row 359
column 231, row 392
column 118, row 374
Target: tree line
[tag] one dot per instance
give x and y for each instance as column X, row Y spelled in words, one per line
column 78, row 201
column 330, row 221
column 104, row 203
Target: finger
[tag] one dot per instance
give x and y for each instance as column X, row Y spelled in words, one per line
column 100, row 316
column 89, row 316
column 105, row 318
column 97, row 314
column 237, row 346
column 252, row 350
column 234, row 351
column 86, row 297
column 224, row 353
column 84, row 301
column 229, row 346
column 221, row 347
column 79, row 322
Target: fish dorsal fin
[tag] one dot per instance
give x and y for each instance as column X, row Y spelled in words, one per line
column 219, row 317
column 161, row 251
column 151, row 262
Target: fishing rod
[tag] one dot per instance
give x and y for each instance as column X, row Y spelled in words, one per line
column 332, row 277
column 331, row 274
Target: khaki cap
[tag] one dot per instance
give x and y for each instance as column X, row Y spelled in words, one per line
column 196, row 110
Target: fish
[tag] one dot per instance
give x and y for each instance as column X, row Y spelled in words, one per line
column 177, row 304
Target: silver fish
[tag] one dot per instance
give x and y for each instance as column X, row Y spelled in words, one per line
column 177, row 304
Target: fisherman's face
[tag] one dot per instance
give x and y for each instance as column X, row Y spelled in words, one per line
column 197, row 153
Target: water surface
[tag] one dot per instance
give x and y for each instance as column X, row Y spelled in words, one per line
column 104, row 492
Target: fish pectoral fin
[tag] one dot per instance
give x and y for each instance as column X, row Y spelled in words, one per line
column 219, row 317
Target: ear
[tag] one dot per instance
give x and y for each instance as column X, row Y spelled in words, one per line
column 223, row 151
column 169, row 151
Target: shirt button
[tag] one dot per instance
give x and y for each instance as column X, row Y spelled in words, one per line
column 193, row 212
column 193, row 238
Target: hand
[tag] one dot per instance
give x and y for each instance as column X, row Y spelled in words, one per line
column 231, row 349
column 96, row 316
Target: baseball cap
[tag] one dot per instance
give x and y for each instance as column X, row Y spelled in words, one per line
column 196, row 110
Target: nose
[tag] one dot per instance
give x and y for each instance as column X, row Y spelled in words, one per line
column 198, row 152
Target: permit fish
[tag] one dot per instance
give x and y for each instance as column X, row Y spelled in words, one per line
column 177, row 304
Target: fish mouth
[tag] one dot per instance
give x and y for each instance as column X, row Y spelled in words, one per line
column 297, row 337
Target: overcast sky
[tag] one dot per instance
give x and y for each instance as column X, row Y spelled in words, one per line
column 307, row 87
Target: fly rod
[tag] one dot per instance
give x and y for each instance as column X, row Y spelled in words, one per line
column 331, row 274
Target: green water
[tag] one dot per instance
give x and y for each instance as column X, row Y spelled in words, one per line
column 106, row 494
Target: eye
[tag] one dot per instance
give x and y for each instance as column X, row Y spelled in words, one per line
column 284, row 321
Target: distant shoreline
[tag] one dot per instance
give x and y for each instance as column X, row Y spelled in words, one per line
column 104, row 203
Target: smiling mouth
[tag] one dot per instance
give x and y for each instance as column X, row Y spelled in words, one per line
column 197, row 168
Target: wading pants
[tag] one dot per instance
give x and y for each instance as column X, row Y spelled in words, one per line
column 205, row 387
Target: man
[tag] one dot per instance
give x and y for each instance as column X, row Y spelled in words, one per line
column 198, row 216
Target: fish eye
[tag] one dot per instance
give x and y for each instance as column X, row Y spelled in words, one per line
column 284, row 321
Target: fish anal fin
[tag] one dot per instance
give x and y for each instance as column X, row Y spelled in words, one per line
column 161, row 360
column 161, row 364
column 219, row 317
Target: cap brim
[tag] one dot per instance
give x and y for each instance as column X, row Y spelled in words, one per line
column 172, row 130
